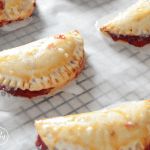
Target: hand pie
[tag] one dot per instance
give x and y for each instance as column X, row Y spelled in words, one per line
column 43, row 66
column 132, row 26
column 15, row 10
column 125, row 127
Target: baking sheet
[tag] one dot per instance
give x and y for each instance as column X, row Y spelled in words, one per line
column 114, row 73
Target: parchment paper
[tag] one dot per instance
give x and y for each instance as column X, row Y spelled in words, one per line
column 114, row 73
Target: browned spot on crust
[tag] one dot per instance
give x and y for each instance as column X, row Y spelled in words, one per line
column 51, row 45
column 60, row 36
column 113, row 133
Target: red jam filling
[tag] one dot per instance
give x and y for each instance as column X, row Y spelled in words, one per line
column 148, row 147
column 25, row 93
column 138, row 41
column 40, row 144
column 2, row 4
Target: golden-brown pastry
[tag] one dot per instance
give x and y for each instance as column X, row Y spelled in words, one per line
column 15, row 10
column 124, row 127
column 132, row 26
column 43, row 66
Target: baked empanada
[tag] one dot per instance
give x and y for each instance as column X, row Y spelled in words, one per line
column 124, row 127
column 132, row 26
column 43, row 66
column 15, row 10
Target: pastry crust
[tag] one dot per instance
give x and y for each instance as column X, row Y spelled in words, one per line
column 134, row 22
column 45, row 64
column 123, row 127
column 15, row 10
